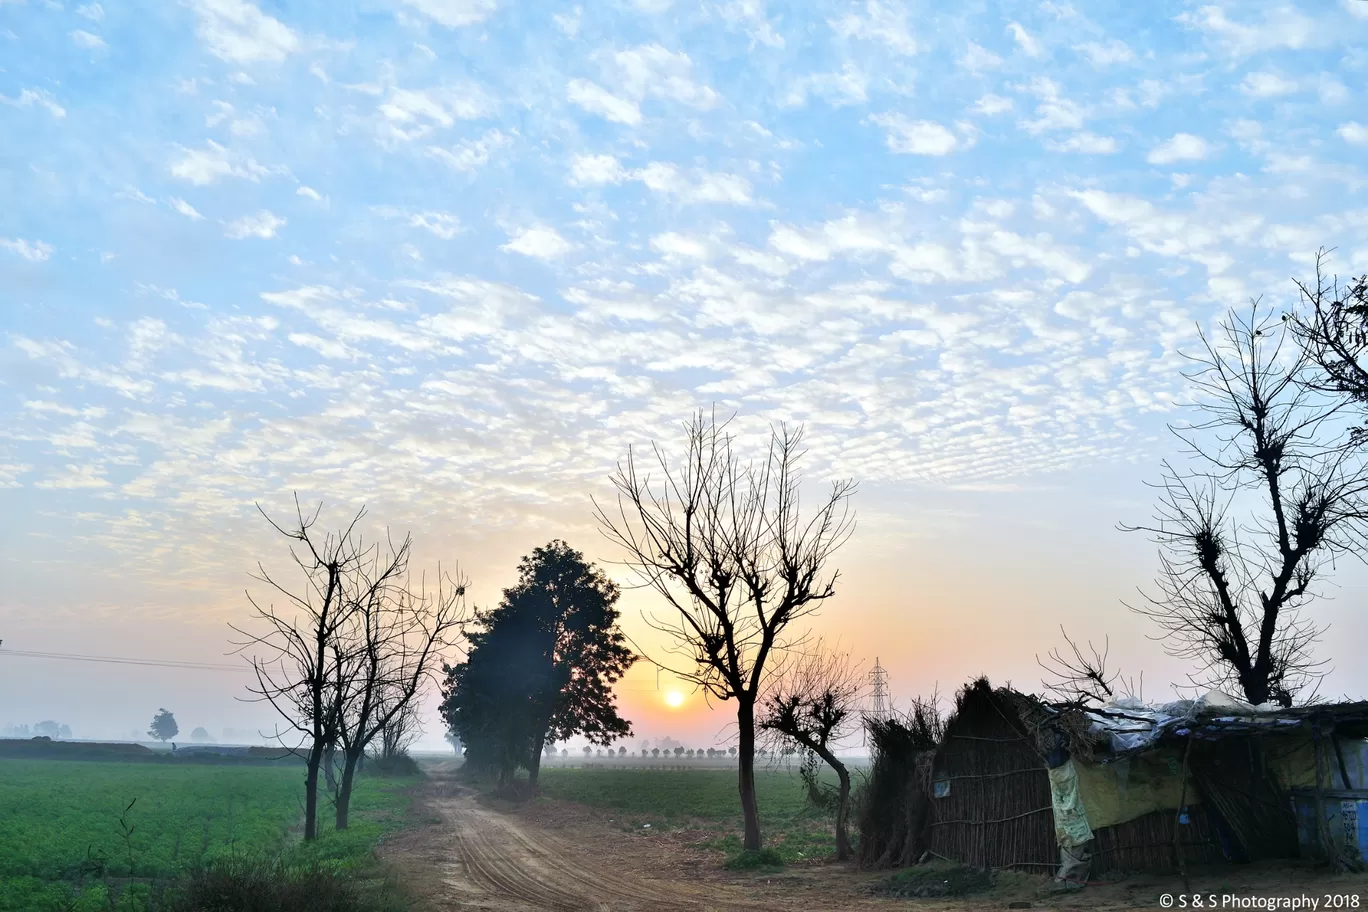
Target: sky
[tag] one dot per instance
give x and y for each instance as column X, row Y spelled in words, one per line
column 451, row 258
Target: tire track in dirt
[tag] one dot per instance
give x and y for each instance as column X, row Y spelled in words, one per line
column 492, row 862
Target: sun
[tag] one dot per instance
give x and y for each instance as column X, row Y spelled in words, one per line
column 674, row 699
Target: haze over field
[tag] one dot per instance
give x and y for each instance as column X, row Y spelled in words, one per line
column 451, row 258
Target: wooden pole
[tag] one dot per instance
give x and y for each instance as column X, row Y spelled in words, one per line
column 1178, row 817
column 1322, row 825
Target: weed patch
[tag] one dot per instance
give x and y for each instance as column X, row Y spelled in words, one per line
column 752, row 860
column 936, row 880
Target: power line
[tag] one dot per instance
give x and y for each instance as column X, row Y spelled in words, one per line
column 120, row 660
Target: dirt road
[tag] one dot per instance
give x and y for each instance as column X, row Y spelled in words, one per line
column 471, row 857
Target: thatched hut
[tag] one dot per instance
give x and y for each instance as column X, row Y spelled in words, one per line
column 1131, row 788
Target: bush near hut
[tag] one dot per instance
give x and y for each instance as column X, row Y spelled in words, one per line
column 891, row 806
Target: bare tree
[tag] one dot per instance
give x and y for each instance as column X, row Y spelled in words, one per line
column 1082, row 678
column 386, row 654
column 813, row 704
column 296, row 674
column 724, row 544
column 1230, row 592
column 1333, row 331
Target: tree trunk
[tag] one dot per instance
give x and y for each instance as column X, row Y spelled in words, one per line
column 350, row 760
column 311, row 793
column 745, row 772
column 534, row 762
column 843, row 852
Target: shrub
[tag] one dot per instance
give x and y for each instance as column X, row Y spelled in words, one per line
column 752, row 860
column 936, row 880
column 393, row 765
column 255, row 884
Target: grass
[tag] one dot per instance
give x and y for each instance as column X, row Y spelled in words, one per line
column 60, row 836
column 702, row 798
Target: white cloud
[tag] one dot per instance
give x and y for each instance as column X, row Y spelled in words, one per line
column 653, row 7
column 752, row 17
column 1053, row 112
column 569, row 23
column 75, row 478
column 1182, row 147
column 839, row 89
column 33, row 251
column 916, row 137
column 1085, row 143
column 262, row 224
column 541, row 242
column 309, row 193
column 1266, row 85
column 993, row 104
column 1282, row 27
column 1331, row 90
column 30, row 97
column 977, row 58
column 455, row 13
column 471, row 154
column 589, row 170
column 84, row 39
column 651, row 71
column 1028, row 44
column 184, row 208
column 597, row 100
column 884, row 21
column 92, row 11
column 1106, row 53
column 208, row 165
column 1353, row 133
column 414, row 113
column 239, row 32
column 677, row 245
column 694, row 187
column 443, row 224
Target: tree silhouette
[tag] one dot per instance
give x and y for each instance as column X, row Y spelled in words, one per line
column 1230, row 593
column 543, row 663
column 164, row 726
column 724, row 544
column 814, row 703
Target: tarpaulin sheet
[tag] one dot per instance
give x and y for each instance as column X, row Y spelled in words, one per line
column 1070, row 820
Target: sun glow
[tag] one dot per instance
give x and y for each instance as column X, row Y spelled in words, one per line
column 674, row 699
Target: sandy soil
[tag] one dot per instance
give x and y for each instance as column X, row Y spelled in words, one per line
column 469, row 854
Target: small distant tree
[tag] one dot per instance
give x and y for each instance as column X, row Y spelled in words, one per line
column 622, row 751
column 549, row 750
column 565, row 752
column 655, row 752
column 50, row 729
column 645, row 752
column 201, row 734
column 164, row 726
column 679, row 751
column 588, row 752
column 732, row 750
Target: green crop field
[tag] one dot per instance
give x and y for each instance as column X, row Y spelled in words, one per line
column 59, row 823
column 703, row 798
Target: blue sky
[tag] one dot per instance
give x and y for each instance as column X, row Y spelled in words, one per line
column 450, row 257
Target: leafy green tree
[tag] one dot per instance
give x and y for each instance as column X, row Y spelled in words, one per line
column 164, row 726
column 542, row 665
